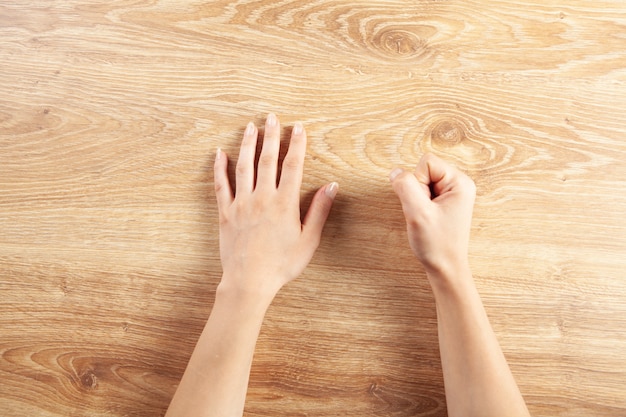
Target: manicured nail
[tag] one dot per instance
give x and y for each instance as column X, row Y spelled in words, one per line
column 271, row 120
column 331, row 189
column 297, row 128
column 395, row 173
column 249, row 129
column 218, row 154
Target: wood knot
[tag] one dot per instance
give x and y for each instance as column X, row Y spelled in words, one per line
column 447, row 134
column 402, row 42
column 89, row 380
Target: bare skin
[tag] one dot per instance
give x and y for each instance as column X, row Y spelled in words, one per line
column 477, row 378
column 264, row 245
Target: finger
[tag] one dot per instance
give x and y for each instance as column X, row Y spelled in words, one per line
column 223, row 191
column 434, row 172
column 291, row 174
column 268, row 161
column 414, row 195
column 316, row 216
column 244, row 177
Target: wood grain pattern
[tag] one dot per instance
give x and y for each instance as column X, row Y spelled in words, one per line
column 110, row 113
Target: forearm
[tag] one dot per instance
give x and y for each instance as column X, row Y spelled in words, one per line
column 477, row 378
column 264, row 244
column 216, row 379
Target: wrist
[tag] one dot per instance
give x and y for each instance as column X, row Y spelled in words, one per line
column 454, row 278
column 256, row 300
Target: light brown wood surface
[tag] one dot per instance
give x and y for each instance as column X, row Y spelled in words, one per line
column 110, row 114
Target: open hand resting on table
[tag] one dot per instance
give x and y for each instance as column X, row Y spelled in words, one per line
column 263, row 245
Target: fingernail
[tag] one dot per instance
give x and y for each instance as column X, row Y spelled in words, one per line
column 249, row 129
column 297, row 128
column 218, row 154
column 395, row 173
column 271, row 119
column 331, row 189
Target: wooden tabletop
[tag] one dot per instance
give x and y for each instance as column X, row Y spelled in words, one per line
column 110, row 115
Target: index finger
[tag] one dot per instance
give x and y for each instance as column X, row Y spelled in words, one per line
column 244, row 178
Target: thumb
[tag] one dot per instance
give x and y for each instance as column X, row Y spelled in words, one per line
column 317, row 214
column 413, row 194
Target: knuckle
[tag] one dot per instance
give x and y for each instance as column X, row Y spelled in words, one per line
column 284, row 202
column 261, row 202
column 267, row 160
column 291, row 163
column 469, row 184
column 224, row 220
column 241, row 169
column 401, row 183
column 429, row 156
column 412, row 223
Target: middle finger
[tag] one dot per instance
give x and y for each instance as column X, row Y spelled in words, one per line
column 268, row 160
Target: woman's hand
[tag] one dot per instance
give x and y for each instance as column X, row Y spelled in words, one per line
column 263, row 243
column 437, row 200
